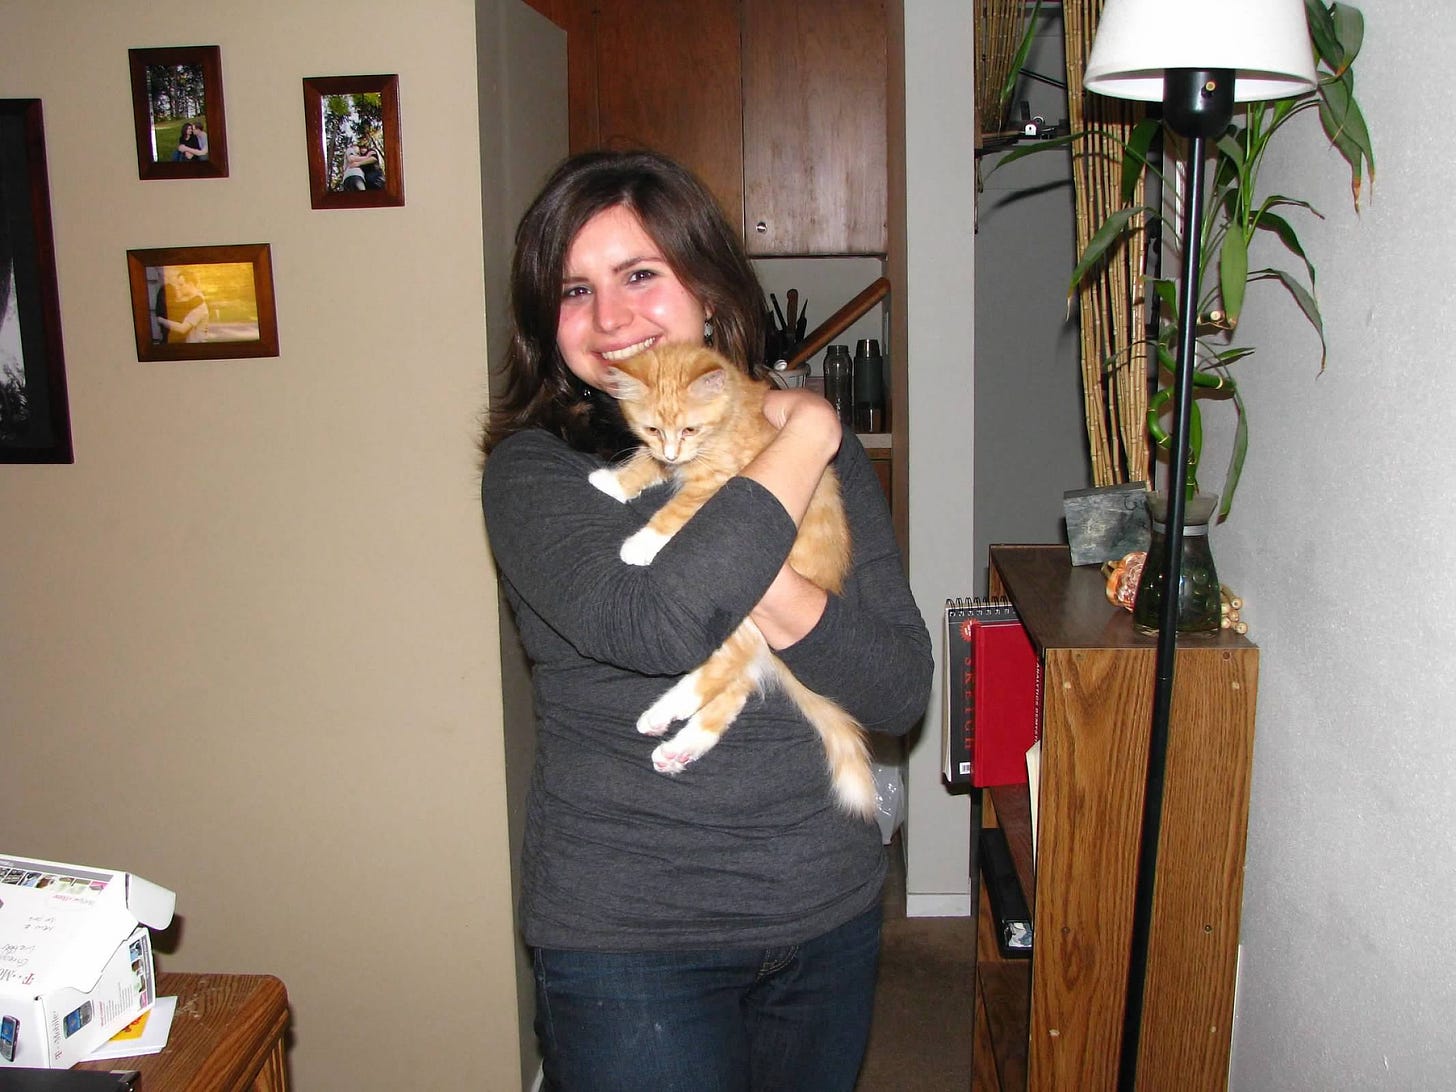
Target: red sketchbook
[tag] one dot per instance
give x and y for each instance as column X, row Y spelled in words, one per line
column 993, row 693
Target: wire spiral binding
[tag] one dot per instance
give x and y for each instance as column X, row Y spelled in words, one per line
column 989, row 602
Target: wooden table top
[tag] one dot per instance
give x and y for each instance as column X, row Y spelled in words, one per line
column 225, row 1030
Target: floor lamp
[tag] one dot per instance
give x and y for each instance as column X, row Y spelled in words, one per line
column 1197, row 58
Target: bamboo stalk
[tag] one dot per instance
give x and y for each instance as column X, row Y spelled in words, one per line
column 1113, row 300
column 1000, row 25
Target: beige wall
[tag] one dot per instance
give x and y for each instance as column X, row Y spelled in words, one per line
column 249, row 645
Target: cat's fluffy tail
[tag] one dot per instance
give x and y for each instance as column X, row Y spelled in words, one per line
column 845, row 747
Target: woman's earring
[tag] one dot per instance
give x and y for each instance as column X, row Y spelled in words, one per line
column 708, row 332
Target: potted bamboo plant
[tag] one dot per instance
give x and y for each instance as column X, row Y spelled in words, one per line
column 1238, row 213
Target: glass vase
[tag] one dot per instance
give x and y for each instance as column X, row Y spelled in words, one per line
column 1198, row 589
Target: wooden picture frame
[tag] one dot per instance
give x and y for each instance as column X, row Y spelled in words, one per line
column 203, row 302
column 35, row 418
column 355, row 158
column 176, row 97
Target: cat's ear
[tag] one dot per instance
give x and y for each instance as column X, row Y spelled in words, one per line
column 709, row 384
column 624, row 387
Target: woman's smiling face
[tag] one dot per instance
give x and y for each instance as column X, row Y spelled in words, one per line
column 619, row 297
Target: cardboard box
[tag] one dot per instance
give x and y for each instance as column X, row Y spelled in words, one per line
column 75, row 958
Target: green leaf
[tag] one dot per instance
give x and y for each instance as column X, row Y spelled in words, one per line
column 1236, row 457
column 1349, row 28
column 1167, row 292
column 1135, row 156
column 1233, row 273
column 1323, row 35
column 1285, row 231
column 1107, row 236
column 1019, row 61
column 1345, row 126
column 1231, row 148
column 1021, row 151
column 1232, row 356
column 1279, row 201
column 1304, row 299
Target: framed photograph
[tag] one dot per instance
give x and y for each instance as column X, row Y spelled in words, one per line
column 355, row 159
column 176, row 97
column 35, row 418
column 203, row 302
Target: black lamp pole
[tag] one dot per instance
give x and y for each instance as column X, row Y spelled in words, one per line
column 1197, row 104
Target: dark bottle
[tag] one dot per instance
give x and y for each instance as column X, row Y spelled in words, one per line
column 869, row 387
column 839, row 382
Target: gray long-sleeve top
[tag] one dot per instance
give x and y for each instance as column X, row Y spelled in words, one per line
column 744, row 848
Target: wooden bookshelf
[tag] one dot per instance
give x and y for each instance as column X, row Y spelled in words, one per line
column 1058, row 1026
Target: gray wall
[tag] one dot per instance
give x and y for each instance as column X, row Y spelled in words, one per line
column 1341, row 542
column 1030, row 438
column 937, row 298
column 521, row 60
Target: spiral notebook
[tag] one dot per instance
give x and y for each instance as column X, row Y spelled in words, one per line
column 992, row 694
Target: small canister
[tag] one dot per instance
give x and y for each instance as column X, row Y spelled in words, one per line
column 839, row 382
column 869, row 387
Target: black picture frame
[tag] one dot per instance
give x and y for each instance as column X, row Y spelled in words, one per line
column 35, row 416
column 340, row 113
column 173, row 88
column 203, row 302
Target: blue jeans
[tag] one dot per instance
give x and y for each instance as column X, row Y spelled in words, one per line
column 792, row 1019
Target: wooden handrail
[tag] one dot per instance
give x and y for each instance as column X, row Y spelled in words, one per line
column 840, row 321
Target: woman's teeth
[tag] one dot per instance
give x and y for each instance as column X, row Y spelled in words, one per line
column 618, row 355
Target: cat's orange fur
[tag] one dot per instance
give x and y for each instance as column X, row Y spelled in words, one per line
column 701, row 421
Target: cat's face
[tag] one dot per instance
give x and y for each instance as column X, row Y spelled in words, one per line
column 674, row 399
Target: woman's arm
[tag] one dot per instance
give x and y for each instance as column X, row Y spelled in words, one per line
column 556, row 539
column 792, row 464
column 791, row 468
column 869, row 649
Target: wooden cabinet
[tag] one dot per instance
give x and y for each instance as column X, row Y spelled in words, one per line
column 665, row 75
column 1058, row 1025
column 780, row 109
column 814, row 126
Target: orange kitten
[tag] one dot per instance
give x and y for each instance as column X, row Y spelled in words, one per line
column 701, row 421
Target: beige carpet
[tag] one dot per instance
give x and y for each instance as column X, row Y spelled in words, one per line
column 920, row 1040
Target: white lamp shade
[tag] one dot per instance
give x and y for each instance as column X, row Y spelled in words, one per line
column 1265, row 42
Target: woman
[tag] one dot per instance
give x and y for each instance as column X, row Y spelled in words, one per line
column 718, row 929
column 191, row 144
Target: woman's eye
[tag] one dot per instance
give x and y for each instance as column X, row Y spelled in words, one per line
column 572, row 291
column 638, row 275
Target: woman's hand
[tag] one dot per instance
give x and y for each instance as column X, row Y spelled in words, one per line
column 807, row 416
column 792, row 464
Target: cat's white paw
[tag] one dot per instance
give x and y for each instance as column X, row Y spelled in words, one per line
column 679, row 703
column 677, row 753
column 606, row 481
column 642, row 547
